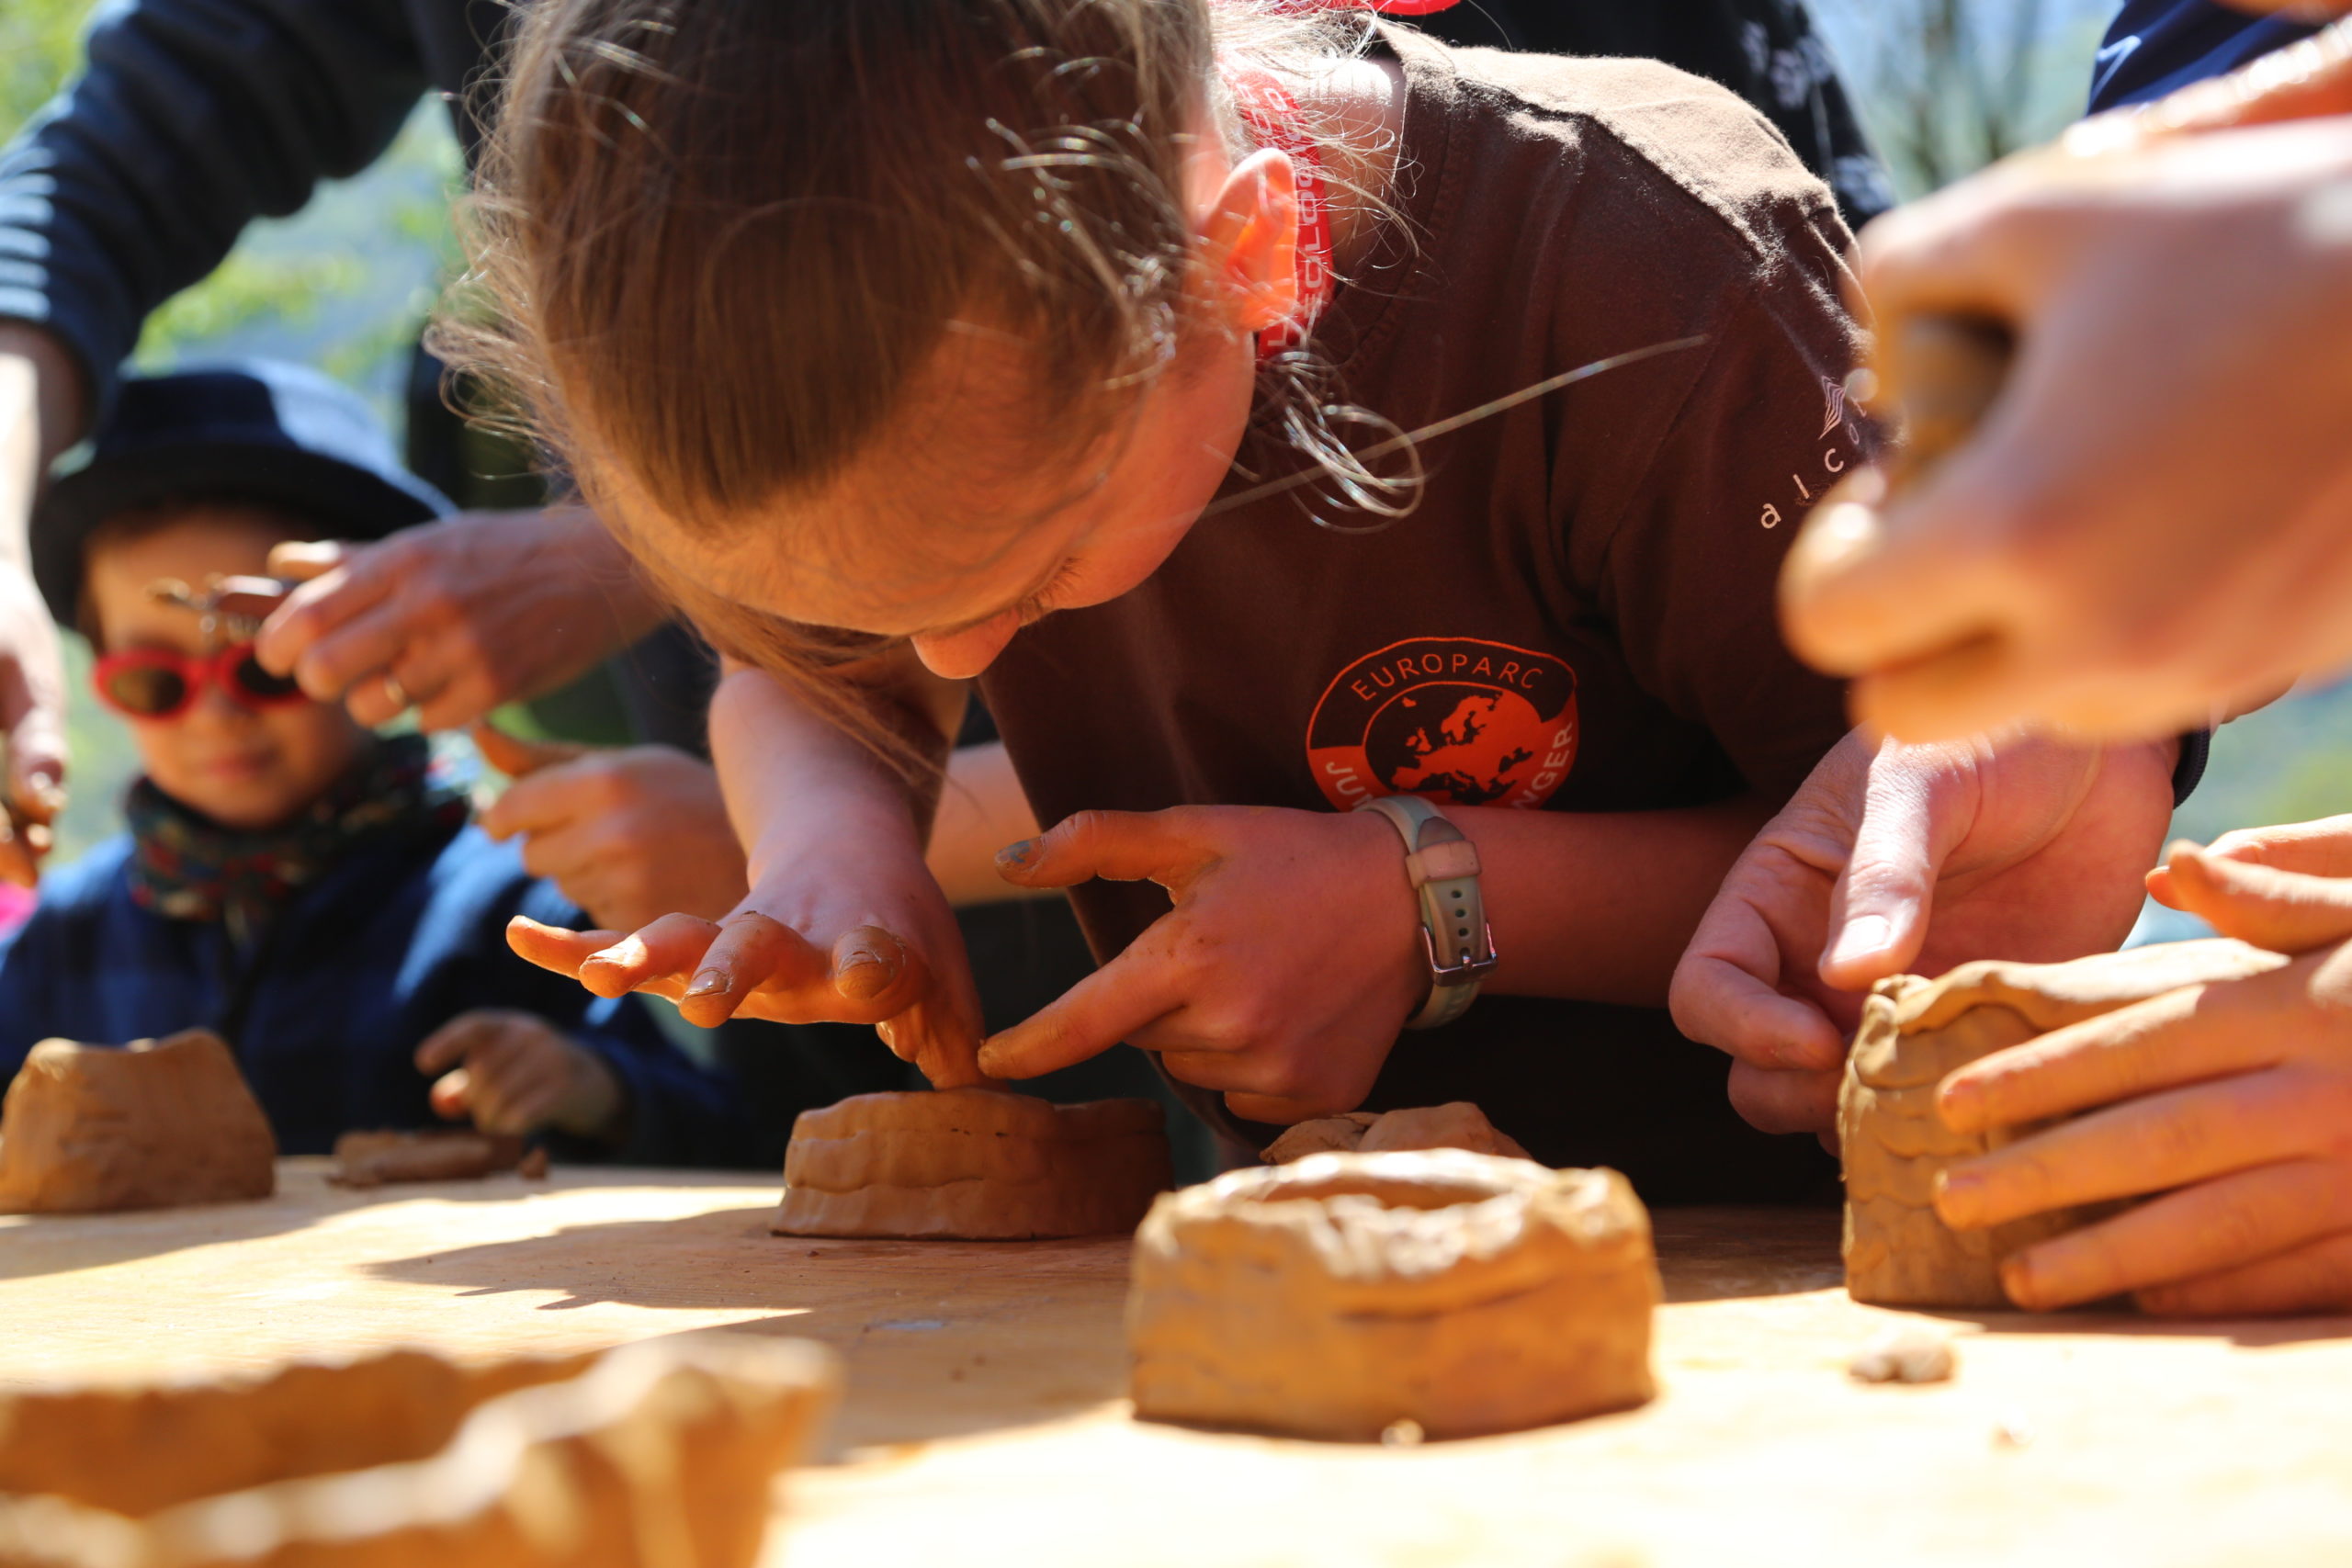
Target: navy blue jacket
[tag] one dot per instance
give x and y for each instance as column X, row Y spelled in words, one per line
column 2156, row 47
column 397, row 937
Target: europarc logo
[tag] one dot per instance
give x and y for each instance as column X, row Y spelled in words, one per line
column 1462, row 721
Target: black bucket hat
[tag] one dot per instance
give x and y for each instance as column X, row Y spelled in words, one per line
column 274, row 433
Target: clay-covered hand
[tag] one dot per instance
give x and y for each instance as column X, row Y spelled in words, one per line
column 513, row 1072
column 628, row 833
column 32, row 718
column 842, row 933
column 2227, row 1108
column 2108, row 553
column 42, row 403
column 1892, row 858
column 456, row 617
column 1282, row 976
column 2287, row 888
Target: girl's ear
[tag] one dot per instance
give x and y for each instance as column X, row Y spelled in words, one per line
column 1249, row 244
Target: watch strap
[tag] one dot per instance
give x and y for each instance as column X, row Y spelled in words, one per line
column 1441, row 863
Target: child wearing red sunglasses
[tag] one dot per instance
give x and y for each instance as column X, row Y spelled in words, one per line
column 312, row 891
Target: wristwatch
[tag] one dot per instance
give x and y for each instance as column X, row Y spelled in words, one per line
column 1442, row 866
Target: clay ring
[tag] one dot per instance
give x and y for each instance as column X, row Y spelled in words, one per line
column 1343, row 1295
column 398, row 693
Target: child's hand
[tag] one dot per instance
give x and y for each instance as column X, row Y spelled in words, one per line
column 515, row 1073
column 858, row 941
column 2288, row 889
column 2227, row 1107
column 628, row 833
column 1292, row 957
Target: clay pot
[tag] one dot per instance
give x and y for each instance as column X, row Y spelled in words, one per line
column 1346, row 1293
column 972, row 1164
column 657, row 1455
column 154, row 1124
column 1917, row 1032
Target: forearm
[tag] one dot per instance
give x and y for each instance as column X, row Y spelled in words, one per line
column 1599, row 907
column 795, row 779
column 42, row 412
column 982, row 810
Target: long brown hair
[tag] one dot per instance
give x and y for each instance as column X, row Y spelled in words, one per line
column 714, row 240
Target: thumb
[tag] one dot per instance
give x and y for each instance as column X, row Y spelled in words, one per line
column 1119, row 846
column 300, row 559
column 451, row 1094
column 518, row 758
column 2285, row 911
column 1879, row 909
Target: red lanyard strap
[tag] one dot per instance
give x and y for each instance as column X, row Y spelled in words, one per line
column 1274, row 118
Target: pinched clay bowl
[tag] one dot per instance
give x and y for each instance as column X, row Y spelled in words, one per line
column 1346, row 1293
column 659, row 1455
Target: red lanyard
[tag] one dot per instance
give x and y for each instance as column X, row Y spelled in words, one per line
column 1272, row 117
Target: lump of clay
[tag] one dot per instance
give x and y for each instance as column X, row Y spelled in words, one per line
column 371, row 1159
column 972, row 1164
column 657, row 1454
column 152, row 1125
column 1914, row 1035
column 1346, row 1293
column 1458, row 1125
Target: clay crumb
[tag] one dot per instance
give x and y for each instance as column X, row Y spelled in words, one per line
column 1906, row 1354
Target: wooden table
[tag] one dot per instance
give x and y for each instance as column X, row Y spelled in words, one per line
column 985, row 1424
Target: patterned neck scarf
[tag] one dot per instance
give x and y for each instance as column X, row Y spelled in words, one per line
column 184, row 866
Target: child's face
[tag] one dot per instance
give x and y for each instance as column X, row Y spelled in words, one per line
column 244, row 767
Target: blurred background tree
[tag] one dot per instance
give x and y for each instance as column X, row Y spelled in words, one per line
column 1944, row 87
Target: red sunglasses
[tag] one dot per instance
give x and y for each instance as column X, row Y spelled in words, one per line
column 154, row 682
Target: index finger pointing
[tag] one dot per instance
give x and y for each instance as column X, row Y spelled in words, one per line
column 1120, row 998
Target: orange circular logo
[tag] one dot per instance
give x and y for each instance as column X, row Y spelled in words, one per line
column 1464, row 722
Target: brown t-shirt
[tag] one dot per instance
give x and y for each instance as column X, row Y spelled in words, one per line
column 1578, row 617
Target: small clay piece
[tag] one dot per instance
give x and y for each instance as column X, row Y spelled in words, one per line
column 154, row 1124
column 533, row 1166
column 1458, row 1125
column 1347, row 1295
column 972, row 1164
column 1915, row 1033
column 1909, row 1353
column 658, row 1455
column 372, row 1159
column 1340, row 1134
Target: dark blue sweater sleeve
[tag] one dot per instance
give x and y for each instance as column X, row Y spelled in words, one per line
column 191, row 119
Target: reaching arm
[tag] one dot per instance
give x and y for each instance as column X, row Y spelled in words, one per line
column 191, row 119
column 41, row 400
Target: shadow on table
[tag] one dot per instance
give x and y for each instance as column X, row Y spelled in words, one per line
column 1711, row 1255
column 942, row 1339
column 35, row 1245
column 2247, row 1333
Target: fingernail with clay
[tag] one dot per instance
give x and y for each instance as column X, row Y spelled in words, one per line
column 1018, row 855
column 709, row 983
column 864, row 971
column 1863, row 937
column 627, row 954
